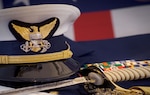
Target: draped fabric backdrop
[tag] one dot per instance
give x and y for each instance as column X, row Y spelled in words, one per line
column 107, row 30
column 101, row 19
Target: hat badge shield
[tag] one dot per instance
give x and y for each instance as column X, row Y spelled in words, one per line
column 34, row 34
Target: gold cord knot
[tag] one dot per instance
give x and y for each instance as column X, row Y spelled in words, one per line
column 4, row 59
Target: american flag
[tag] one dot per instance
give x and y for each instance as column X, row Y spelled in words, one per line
column 100, row 19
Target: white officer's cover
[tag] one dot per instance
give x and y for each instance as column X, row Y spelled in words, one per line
column 33, row 49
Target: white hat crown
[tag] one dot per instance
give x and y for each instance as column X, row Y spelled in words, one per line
column 67, row 14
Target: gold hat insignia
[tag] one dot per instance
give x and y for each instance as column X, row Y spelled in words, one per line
column 35, row 34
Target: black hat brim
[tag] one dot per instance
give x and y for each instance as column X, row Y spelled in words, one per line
column 37, row 73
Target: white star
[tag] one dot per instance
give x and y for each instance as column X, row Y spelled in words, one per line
column 74, row 0
column 25, row 2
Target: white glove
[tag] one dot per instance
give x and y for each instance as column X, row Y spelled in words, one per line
column 44, row 93
column 40, row 93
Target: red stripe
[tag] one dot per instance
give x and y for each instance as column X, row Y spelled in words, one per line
column 94, row 26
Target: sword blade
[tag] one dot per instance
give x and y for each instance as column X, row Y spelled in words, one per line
column 47, row 86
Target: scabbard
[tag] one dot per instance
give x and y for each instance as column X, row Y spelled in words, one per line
column 145, row 89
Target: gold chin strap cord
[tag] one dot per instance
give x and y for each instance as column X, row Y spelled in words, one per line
column 19, row 59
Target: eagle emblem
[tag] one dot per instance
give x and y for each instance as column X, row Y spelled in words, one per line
column 35, row 34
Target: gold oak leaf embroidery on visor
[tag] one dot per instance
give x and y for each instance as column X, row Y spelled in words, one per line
column 34, row 34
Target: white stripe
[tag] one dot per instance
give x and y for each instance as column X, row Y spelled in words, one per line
column 131, row 21
column 70, row 33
